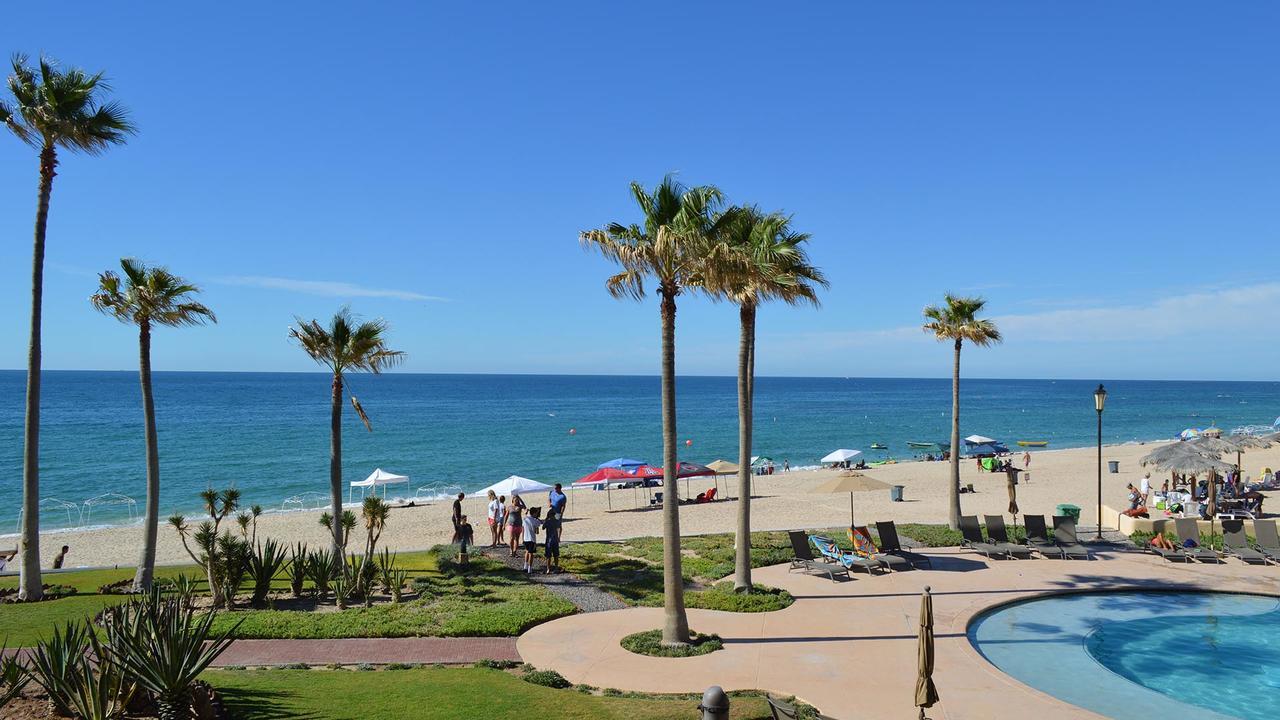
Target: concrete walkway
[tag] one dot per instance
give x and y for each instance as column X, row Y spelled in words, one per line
column 849, row 647
column 376, row 651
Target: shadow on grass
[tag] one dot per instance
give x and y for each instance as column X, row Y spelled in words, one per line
column 249, row 704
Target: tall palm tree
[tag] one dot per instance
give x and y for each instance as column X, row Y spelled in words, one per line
column 671, row 247
column 346, row 345
column 957, row 320
column 51, row 109
column 148, row 297
column 772, row 265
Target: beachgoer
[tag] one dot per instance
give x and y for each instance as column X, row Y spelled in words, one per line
column 979, row 462
column 786, row 465
column 1160, row 541
column 1026, row 459
column 1135, row 499
column 60, row 558
column 557, row 499
column 552, row 527
column 6, row 556
column 495, row 517
column 531, row 524
column 502, row 519
column 515, row 516
column 1164, row 487
column 457, row 516
column 1145, row 488
column 466, row 534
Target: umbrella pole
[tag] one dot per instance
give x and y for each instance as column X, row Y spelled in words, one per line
column 851, row 510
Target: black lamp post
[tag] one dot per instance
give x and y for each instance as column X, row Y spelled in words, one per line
column 1099, row 402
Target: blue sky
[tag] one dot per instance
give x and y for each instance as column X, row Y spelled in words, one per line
column 1104, row 173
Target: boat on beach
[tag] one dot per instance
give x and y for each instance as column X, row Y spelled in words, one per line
column 1033, row 443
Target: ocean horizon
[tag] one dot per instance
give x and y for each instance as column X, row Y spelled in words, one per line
column 268, row 433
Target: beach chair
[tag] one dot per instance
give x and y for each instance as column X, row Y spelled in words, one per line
column 973, row 538
column 783, row 711
column 863, row 546
column 1268, row 539
column 1188, row 529
column 833, row 554
column 1064, row 536
column 1235, row 543
column 890, row 543
column 804, row 559
column 999, row 536
column 706, row 497
column 1038, row 537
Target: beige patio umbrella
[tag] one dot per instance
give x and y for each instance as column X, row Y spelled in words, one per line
column 851, row 482
column 926, row 692
column 723, row 467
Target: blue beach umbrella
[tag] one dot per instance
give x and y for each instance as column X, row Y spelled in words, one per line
column 621, row 464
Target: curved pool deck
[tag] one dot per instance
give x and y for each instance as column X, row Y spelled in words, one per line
column 849, row 647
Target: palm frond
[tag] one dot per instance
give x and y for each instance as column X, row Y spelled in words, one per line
column 360, row 412
column 956, row 320
column 151, row 295
column 64, row 107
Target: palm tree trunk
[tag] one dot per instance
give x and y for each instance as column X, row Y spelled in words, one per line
column 954, row 515
column 675, row 631
column 151, row 525
column 746, row 343
column 29, row 586
column 335, row 465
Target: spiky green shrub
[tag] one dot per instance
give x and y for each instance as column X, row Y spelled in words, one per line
column 13, row 677
column 264, row 564
column 104, row 687
column 320, row 571
column 55, row 665
column 297, row 569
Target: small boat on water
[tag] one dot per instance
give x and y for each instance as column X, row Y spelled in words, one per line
column 919, row 444
column 879, row 446
column 1033, row 443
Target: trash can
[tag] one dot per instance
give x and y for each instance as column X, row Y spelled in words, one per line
column 1113, row 466
column 1068, row 510
column 895, row 493
column 715, row 704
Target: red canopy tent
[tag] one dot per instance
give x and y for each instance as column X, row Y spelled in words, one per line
column 611, row 476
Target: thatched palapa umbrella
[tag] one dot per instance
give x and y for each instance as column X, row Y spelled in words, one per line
column 1191, row 462
column 926, row 692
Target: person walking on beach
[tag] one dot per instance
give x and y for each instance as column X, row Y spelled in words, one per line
column 60, row 558
column 495, row 518
column 551, row 527
column 531, row 524
column 502, row 520
column 515, row 517
column 557, row 499
column 786, row 465
column 457, row 517
column 1026, row 459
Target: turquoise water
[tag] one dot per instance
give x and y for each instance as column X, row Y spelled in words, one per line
column 269, row 432
column 1141, row 655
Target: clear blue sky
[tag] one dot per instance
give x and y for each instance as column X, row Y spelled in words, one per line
column 1107, row 174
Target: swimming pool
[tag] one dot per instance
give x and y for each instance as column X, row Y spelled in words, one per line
column 1142, row 655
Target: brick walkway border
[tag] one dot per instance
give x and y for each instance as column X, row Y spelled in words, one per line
column 375, row 651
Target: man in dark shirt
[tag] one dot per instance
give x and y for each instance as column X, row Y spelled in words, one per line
column 457, row 518
column 60, row 558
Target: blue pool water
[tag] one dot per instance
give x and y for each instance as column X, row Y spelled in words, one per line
column 1141, row 655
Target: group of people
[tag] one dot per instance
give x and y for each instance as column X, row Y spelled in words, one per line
column 1231, row 488
column 516, row 525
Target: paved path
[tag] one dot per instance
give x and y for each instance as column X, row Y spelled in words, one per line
column 849, row 647
column 585, row 596
column 377, row 651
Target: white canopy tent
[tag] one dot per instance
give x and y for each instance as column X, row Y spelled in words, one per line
column 841, row 455
column 514, row 485
column 979, row 440
column 379, row 478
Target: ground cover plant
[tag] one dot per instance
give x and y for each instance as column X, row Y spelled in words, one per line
column 649, row 642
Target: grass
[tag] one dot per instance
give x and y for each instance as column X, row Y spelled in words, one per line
column 649, row 642
column 450, row 694
column 25, row 624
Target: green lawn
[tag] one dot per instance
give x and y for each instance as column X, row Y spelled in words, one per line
column 437, row 694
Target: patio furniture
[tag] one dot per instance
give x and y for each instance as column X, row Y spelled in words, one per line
column 1235, row 543
column 890, row 543
column 783, row 711
column 860, row 538
column 973, row 538
column 999, row 536
column 832, row 553
column 1064, row 536
column 1268, row 539
column 1188, row 529
column 1038, row 537
column 804, row 560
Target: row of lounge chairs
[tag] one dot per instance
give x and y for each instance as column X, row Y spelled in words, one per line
column 831, row 560
column 1064, row 545
column 1235, row 543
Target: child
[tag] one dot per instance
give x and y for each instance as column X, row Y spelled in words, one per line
column 531, row 525
column 551, row 528
column 502, row 520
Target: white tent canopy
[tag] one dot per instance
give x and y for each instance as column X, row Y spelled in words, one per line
column 379, row 478
column 979, row 440
column 841, row 455
column 514, row 485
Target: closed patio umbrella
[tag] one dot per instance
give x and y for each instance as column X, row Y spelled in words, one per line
column 851, row 482
column 926, row 691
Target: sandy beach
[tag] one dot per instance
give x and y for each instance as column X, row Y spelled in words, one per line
column 782, row 501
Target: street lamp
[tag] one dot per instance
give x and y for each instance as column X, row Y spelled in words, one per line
column 1099, row 402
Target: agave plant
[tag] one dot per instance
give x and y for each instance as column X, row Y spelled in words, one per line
column 342, row 587
column 233, row 559
column 297, row 569
column 386, row 569
column 104, row 689
column 13, row 677
column 184, row 589
column 264, row 565
column 320, row 571
column 164, row 647
column 56, row 665
column 398, row 578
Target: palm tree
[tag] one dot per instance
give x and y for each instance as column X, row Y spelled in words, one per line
column 771, row 265
column 957, row 320
column 672, row 248
column 346, row 345
column 148, row 297
column 52, row 109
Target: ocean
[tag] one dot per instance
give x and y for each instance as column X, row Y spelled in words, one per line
column 268, row 433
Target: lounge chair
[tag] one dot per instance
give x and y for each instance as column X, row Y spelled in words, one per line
column 804, row 559
column 999, row 536
column 783, row 711
column 1234, row 542
column 1188, row 529
column 890, row 543
column 860, row 538
column 706, row 497
column 1064, row 536
column 833, row 554
column 1268, row 539
column 973, row 538
column 1038, row 537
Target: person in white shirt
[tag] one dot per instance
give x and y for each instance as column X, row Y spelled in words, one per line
column 532, row 522
column 495, row 518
